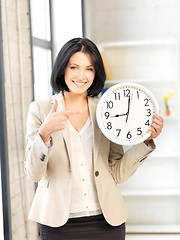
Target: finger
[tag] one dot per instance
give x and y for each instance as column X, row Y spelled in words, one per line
column 158, row 122
column 156, row 127
column 158, row 117
column 153, row 131
column 55, row 105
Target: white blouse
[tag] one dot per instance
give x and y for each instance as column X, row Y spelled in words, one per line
column 84, row 201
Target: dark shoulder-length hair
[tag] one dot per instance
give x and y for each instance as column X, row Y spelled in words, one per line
column 75, row 45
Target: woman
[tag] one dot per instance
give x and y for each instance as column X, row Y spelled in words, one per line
column 77, row 168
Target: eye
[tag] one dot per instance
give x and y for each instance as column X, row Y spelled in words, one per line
column 73, row 67
column 90, row 69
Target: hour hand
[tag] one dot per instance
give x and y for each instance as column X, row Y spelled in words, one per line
column 119, row 115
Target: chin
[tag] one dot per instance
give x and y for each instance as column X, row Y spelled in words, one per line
column 78, row 92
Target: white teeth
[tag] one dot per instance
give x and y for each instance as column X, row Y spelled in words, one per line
column 79, row 83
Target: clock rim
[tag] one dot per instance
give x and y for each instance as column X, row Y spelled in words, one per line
column 137, row 85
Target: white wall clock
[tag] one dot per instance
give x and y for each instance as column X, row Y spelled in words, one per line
column 125, row 112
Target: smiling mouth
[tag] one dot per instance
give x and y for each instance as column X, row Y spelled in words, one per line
column 79, row 84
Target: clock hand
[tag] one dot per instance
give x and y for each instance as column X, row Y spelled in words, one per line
column 119, row 115
column 129, row 103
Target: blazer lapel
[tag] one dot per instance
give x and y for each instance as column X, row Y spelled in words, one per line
column 65, row 131
column 96, row 132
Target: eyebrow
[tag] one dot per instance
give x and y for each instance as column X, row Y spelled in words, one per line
column 78, row 65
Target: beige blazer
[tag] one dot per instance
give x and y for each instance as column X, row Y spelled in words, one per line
column 51, row 168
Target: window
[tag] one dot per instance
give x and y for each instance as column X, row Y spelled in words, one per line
column 49, row 36
column 41, row 47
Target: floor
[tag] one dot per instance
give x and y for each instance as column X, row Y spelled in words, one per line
column 152, row 236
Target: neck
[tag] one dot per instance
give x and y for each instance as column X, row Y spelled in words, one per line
column 68, row 96
column 75, row 100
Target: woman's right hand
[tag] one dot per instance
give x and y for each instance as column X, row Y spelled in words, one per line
column 54, row 122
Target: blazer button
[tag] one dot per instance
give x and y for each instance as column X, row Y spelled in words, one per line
column 42, row 157
column 97, row 173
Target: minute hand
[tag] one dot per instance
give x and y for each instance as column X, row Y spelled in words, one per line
column 129, row 102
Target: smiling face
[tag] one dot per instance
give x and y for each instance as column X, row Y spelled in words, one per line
column 79, row 73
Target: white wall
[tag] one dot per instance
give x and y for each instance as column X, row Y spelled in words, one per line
column 66, row 22
column 139, row 20
column 127, row 20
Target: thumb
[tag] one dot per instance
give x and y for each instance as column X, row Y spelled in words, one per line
column 54, row 108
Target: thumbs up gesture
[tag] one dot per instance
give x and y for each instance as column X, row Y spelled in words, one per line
column 55, row 121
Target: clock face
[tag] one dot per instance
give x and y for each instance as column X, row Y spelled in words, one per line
column 125, row 112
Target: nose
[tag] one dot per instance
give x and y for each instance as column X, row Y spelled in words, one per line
column 81, row 75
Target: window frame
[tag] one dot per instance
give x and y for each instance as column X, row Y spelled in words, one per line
column 41, row 43
column 4, row 161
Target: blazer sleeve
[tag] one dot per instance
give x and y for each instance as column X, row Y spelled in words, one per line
column 36, row 157
column 123, row 165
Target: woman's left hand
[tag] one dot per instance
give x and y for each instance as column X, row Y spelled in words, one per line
column 155, row 128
